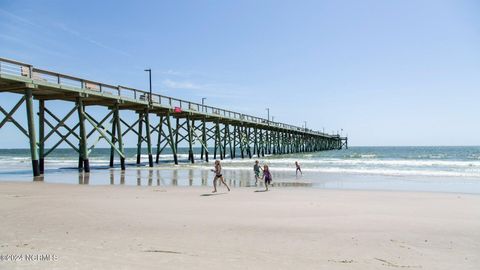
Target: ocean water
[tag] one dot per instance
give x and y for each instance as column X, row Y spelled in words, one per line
column 444, row 169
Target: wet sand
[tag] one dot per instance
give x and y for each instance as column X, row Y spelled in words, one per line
column 158, row 227
column 199, row 175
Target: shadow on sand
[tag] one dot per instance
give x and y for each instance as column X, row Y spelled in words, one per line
column 261, row 190
column 213, row 194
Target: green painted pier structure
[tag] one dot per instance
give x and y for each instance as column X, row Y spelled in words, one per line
column 161, row 121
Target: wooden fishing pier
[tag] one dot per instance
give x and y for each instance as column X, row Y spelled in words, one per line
column 160, row 120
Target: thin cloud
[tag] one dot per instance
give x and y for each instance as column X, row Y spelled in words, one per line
column 90, row 40
column 31, row 46
column 18, row 18
column 171, row 72
column 64, row 28
column 181, row 85
column 206, row 90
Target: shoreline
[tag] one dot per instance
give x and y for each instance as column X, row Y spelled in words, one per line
column 113, row 227
column 201, row 176
column 277, row 185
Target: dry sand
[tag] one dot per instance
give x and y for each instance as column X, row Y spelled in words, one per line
column 125, row 227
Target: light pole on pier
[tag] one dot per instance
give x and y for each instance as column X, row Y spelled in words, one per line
column 203, row 103
column 149, row 70
column 268, row 115
column 305, row 125
column 147, row 125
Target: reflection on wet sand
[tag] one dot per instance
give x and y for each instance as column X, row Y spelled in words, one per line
column 190, row 177
column 159, row 179
column 122, row 177
column 204, row 177
column 112, row 177
column 166, row 177
column 150, row 177
column 83, row 178
column 198, row 175
column 175, row 178
column 139, row 177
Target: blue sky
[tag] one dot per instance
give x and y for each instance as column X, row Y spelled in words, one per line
column 387, row 72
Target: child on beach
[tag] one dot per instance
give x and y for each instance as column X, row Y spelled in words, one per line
column 267, row 176
column 256, row 171
column 218, row 174
column 298, row 169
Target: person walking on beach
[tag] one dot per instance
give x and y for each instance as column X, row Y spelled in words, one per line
column 218, row 175
column 298, row 169
column 267, row 176
column 256, row 171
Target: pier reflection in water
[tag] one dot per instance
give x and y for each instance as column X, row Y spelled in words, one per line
column 83, row 178
column 164, row 177
column 202, row 176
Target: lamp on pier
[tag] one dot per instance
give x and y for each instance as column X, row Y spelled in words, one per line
column 203, row 103
column 149, row 70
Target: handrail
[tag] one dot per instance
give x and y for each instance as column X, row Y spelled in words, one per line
column 27, row 70
column 13, row 61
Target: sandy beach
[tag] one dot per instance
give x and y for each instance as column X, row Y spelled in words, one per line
column 128, row 227
column 117, row 117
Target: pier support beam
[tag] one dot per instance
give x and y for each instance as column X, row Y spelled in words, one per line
column 231, row 148
column 241, row 140
column 234, row 137
column 274, row 139
column 268, row 138
column 41, row 135
column 118, row 123
column 140, row 137
column 205, row 140
column 249, row 149
column 173, row 144
column 202, row 150
column 262, row 143
column 216, row 141
column 112, row 150
column 190, row 139
column 31, row 132
column 255, row 145
column 159, row 141
column 84, row 162
column 177, row 133
column 148, row 135
column 225, row 134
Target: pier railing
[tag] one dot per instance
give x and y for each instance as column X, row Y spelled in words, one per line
column 15, row 68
